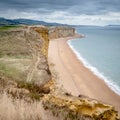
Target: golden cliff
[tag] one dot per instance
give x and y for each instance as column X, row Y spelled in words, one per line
column 44, row 33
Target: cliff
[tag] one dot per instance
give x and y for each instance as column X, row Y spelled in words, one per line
column 74, row 108
column 25, row 74
column 25, row 50
column 44, row 33
column 57, row 32
column 37, row 37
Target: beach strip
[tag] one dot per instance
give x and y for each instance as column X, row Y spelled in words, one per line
column 75, row 78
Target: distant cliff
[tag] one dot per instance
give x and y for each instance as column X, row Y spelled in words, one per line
column 57, row 32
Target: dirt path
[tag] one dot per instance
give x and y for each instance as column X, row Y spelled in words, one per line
column 35, row 58
column 77, row 79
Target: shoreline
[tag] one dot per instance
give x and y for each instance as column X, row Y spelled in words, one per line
column 94, row 70
column 80, row 79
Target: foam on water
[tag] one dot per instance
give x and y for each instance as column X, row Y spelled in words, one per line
column 95, row 71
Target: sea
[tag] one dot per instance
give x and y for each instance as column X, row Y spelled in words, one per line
column 99, row 51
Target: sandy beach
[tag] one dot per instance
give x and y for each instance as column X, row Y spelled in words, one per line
column 75, row 78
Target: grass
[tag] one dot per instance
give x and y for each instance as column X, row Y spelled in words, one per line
column 10, row 72
column 8, row 27
column 17, row 56
column 29, row 86
column 36, row 92
column 13, row 43
column 17, row 109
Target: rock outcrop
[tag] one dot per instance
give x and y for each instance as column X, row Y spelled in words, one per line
column 74, row 108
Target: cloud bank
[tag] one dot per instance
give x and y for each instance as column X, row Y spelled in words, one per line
column 90, row 12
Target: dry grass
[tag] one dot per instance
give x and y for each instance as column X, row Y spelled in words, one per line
column 11, row 72
column 13, row 43
column 16, row 109
column 14, row 50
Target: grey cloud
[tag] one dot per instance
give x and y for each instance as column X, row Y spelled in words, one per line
column 89, row 7
column 93, row 7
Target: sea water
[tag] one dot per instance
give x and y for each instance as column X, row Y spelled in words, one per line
column 99, row 51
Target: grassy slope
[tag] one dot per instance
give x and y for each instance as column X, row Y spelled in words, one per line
column 10, row 72
column 8, row 27
column 18, row 109
column 10, row 47
column 15, row 59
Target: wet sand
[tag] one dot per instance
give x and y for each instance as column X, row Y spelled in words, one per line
column 75, row 78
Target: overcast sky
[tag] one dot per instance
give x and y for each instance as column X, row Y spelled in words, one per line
column 87, row 12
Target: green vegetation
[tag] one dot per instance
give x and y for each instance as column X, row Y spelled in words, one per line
column 10, row 72
column 8, row 27
column 35, row 96
column 36, row 92
column 29, row 86
column 16, row 56
column 15, row 75
column 34, row 89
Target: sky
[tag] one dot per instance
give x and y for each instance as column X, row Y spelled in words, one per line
column 74, row 12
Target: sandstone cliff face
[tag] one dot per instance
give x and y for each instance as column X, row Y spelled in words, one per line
column 39, row 71
column 74, row 108
column 43, row 32
column 57, row 32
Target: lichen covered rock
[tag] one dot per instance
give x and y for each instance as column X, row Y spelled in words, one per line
column 74, row 108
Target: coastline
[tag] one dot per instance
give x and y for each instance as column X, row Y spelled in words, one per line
column 75, row 77
column 94, row 70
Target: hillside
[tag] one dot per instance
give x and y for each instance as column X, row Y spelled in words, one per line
column 4, row 21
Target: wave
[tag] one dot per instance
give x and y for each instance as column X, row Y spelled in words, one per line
column 95, row 71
